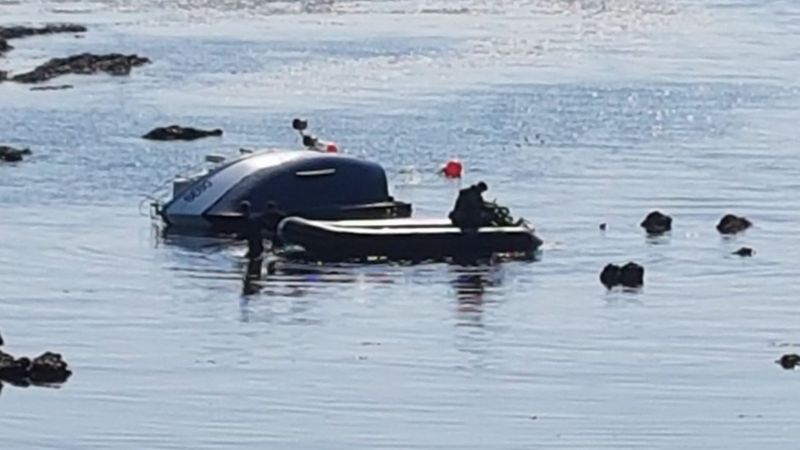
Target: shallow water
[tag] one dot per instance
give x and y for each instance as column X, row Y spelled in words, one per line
column 574, row 112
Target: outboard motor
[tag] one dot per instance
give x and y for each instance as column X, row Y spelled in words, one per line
column 317, row 184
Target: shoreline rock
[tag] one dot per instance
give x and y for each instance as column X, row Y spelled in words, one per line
column 114, row 64
column 10, row 154
column 179, row 133
column 744, row 252
column 17, row 32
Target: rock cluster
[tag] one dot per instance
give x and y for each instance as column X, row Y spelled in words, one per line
column 630, row 275
column 46, row 368
column 84, row 64
column 179, row 133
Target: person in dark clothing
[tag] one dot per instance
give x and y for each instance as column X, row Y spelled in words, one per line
column 470, row 210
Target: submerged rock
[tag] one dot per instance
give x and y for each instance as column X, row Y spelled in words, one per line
column 657, row 223
column 744, row 252
column 731, row 224
column 10, row 154
column 177, row 132
column 630, row 275
column 4, row 46
column 789, row 361
column 49, row 368
column 20, row 32
column 85, row 64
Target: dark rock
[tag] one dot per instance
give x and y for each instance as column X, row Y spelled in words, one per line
column 731, row 224
column 603, row 226
column 789, row 361
column 176, row 132
column 12, row 369
column 49, row 368
column 52, row 88
column 83, row 64
column 610, row 276
column 9, row 154
column 631, row 275
column 744, row 251
column 4, row 46
column 657, row 223
column 1, row 340
column 20, row 32
column 3, row 76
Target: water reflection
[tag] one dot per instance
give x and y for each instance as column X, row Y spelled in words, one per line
column 471, row 284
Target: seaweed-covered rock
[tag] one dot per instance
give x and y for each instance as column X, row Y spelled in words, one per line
column 13, row 369
column 732, row 224
column 657, row 223
column 789, row 361
column 631, row 275
column 10, row 154
column 179, row 133
column 49, row 368
column 744, row 252
column 20, row 32
column 610, row 276
column 85, row 64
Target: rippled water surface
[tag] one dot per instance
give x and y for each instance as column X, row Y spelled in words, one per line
column 574, row 112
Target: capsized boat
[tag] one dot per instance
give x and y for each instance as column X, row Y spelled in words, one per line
column 402, row 239
column 313, row 183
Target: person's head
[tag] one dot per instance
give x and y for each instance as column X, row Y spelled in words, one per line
column 481, row 186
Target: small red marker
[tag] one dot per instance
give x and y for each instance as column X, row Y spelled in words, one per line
column 453, row 169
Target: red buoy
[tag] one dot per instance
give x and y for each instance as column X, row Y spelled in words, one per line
column 331, row 148
column 453, row 169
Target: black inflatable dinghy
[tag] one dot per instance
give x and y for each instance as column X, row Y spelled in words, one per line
column 403, row 239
